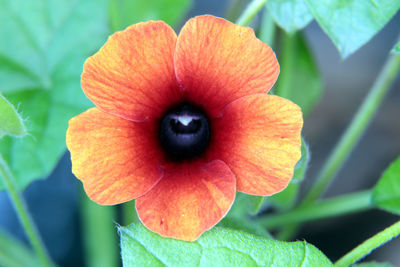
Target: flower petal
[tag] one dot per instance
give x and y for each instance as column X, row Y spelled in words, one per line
column 132, row 75
column 115, row 159
column 259, row 137
column 217, row 62
column 188, row 200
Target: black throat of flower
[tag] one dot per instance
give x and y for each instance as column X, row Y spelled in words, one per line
column 184, row 132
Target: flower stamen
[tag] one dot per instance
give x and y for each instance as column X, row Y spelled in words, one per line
column 184, row 132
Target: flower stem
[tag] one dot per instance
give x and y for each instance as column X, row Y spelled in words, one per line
column 356, row 128
column 268, row 29
column 369, row 245
column 250, row 12
column 336, row 206
column 23, row 214
column 288, row 66
column 129, row 214
column 100, row 233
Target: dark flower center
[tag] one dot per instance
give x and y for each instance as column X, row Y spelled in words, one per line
column 184, row 132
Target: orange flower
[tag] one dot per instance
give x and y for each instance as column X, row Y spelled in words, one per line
column 182, row 122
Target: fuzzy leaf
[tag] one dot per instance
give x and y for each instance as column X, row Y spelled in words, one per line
column 291, row 15
column 126, row 12
column 43, row 47
column 217, row 247
column 352, row 23
column 386, row 193
column 11, row 123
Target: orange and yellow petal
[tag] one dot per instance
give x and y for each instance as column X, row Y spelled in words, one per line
column 133, row 75
column 188, row 200
column 259, row 137
column 217, row 62
column 115, row 159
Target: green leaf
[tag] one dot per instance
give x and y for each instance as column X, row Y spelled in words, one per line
column 299, row 79
column 43, row 47
column 372, row 264
column 126, row 12
column 352, row 23
column 396, row 49
column 291, row 15
column 11, row 123
column 386, row 193
column 15, row 254
column 217, row 247
column 287, row 198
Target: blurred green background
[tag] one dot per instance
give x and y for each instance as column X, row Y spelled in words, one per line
column 55, row 201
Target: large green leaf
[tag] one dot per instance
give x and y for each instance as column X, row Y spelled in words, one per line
column 217, row 247
column 15, row 254
column 299, row 79
column 11, row 123
column 386, row 194
column 42, row 50
column 126, row 12
column 352, row 23
column 291, row 15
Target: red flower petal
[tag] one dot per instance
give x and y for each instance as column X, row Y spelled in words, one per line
column 116, row 159
column 217, row 62
column 132, row 75
column 259, row 138
column 188, row 200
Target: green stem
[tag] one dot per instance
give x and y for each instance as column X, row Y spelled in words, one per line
column 129, row 214
column 356, row 128
column 287, row 66
column 268, row 29
column 100, row 233
column 233, row 10
column 369, row 245
column 250, row 12
column 23, row 214
column 336, row 206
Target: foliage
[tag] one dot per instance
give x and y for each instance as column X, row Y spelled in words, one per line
column 126, row 12
column 15, row 254
column 217, row 247
column 42, row 50
column 11, row 123
column 41, row 58
column 351, row 24
column 291, row 15
column 386, row 194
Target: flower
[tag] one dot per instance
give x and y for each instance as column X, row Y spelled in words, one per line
column 182, row 122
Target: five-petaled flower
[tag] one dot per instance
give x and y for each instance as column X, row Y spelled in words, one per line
column 182, row 122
